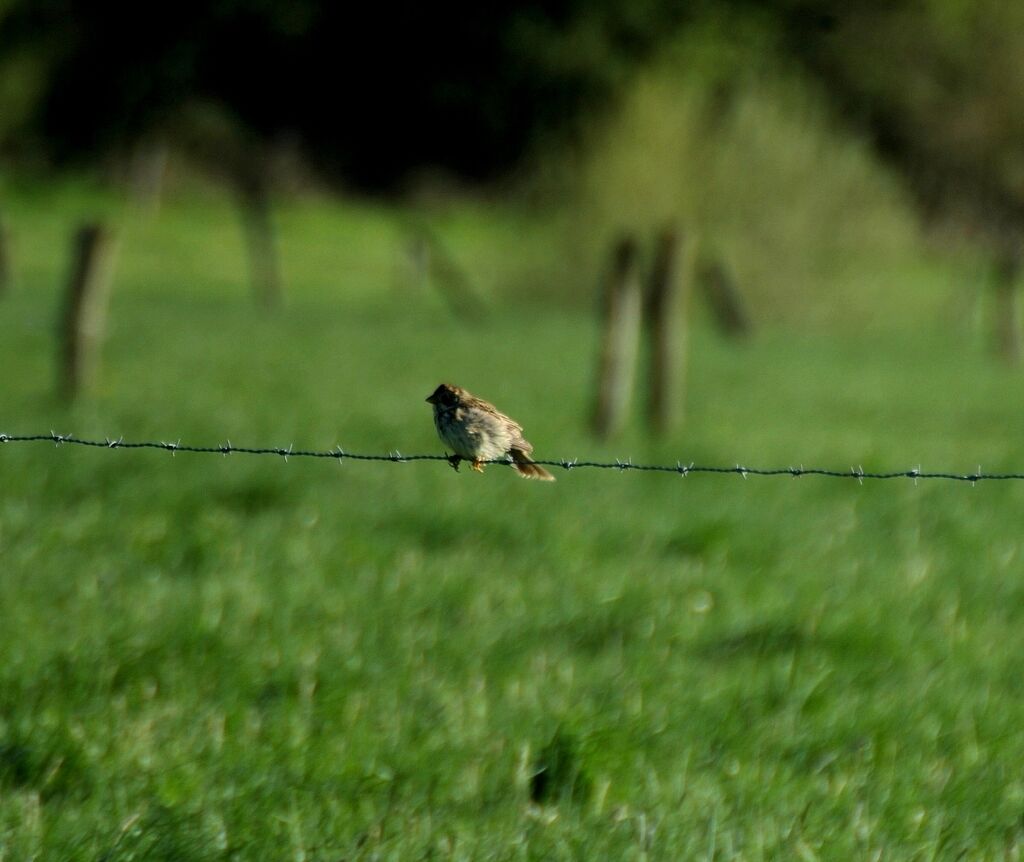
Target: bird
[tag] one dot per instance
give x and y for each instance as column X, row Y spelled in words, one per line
column 478, row 432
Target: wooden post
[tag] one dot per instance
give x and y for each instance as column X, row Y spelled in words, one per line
column 724, row 299
column 434, row 264
column 5, row 257
column 1007, row 308
column 261, row 241
column 621, row 330
column 419, row 262
column 85, row 308
column 667, row 313
column 147, row 169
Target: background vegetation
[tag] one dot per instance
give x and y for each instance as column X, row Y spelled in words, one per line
column 207, row 658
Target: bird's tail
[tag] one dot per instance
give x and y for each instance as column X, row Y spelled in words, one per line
column 528, row 469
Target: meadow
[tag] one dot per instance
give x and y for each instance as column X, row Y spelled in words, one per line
column 211, row 658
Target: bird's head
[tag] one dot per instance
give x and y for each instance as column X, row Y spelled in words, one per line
column 446, row 396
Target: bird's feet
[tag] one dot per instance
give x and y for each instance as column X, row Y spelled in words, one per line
column 477, row 465
column 454, row 461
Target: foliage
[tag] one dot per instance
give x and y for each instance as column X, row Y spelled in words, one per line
column 736, row 151
column 372, row 91
column 377, row 92
column 939, row 86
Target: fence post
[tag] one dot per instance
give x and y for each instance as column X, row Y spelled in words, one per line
column 434, row 264
column 667, row 317
column 1007, row 307
column 724, row 299
column 85, row 307
column 261, row 241
column 5, row 257
column 619, row 340
column 147, row 169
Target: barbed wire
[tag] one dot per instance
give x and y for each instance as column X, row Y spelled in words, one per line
column 340, row 455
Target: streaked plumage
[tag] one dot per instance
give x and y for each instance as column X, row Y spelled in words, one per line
column 477, row 431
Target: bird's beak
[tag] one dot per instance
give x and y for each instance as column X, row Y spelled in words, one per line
column 431, row 399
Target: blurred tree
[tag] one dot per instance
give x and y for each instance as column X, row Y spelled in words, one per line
column 939, row 86
column 376, row 90
column 373, row 90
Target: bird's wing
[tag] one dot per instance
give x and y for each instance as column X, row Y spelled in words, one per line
column 520, row 442
column 516, row 433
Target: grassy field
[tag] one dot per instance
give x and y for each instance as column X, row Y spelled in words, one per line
column 208, row 658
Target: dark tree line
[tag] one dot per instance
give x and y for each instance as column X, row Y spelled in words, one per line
column 939, row 88
column 374, row 91
column 371, row 90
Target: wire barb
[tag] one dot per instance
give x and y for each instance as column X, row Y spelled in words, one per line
column 396, row 457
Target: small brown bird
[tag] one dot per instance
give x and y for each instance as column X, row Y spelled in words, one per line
column 478, row 432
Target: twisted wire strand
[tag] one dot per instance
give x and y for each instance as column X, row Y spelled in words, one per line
column 340, row 455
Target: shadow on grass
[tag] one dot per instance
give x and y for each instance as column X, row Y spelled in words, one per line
column 858, row 656
column 780, row 638
column 698, row 540
column 50, row 763
column 431, row 534
column 164, row 833
column 589, row 634
column 558, row 772
column 252, row 498
column 762, row 640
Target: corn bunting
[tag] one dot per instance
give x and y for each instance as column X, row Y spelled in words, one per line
column 478, row 432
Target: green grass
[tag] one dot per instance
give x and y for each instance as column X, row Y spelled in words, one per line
column 208, row 658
